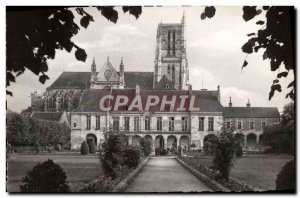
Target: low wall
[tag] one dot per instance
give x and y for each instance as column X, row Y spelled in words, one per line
column 210, row 182
column 123, row 184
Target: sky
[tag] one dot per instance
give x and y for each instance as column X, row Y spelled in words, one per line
column 213, row 51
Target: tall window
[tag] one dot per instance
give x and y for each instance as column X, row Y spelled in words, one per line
column 210, row 123
column 228, row 125
column 136, row 123
column 263, row 125
column 126, row 123
column 251, row 125
column 97, row 122
column 171, row 124
column 88, row 122
column 159, row 123
column 147, row 123
column 201, row 123
column 239, row 126
column 173, row 42
column 184, row 124
column 116, row 123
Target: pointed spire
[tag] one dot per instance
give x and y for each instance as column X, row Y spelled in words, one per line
column 93, row 69
column 108, row 59
column 94, row 63
column 121, row 61
column 183, row 18
column 230, row 103
column 122, row 67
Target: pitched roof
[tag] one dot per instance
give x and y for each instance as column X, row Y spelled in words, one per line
column 81, row 80
column 53, row 116
column 71, row 80
column 251, row 112
column 204, row 100
column 144, row 79
column 164, row 81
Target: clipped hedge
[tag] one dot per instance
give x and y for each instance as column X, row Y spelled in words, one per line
column 84, row 150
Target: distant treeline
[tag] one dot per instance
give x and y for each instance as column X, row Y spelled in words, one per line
column 27, row 131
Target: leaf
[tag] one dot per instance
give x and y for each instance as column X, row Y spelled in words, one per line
column 251, row 34
column 43, row 78
column 10, row 77
column 282, row 74
column 67, row 44
column 133, row 10
column 291, row 94
column 245, row 64
column 291, row 84
column 80, row 54
column 210, row 11
column 203, row 16
column 249, row 12
column 276, row 87
column 258, row 12
column 9, row 93
column 260, row 22
column 84, row 22
column 275, row 81
column 247, row 47
column 109, row 13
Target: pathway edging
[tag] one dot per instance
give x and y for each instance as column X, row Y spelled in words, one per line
column 123, row 184
column 210, row 182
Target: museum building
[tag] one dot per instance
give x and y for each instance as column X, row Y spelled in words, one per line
column 166, row 122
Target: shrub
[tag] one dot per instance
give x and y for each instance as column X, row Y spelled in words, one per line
column 84, row 148
column 45, row 177
column 179, row 151
column 286, row 177
column 239, row 151
column 111, row 153
column 208, row 148
column 58, row 147
column 224, row 149
column 146, row 147
column 131, row 157
column 102, row 184
column 92, row 147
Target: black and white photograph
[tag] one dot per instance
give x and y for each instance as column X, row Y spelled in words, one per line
column 150, row 99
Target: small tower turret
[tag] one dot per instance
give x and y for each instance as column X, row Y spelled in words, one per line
column 121, row 75
column 93, row 70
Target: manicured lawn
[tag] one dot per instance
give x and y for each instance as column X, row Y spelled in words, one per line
column 256, row 170
column 79, row 169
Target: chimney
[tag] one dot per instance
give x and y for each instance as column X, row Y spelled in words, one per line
column 137, row 89
column 248, row 104
column 230, row 103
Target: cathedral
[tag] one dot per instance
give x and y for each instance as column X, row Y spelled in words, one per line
column 163, row 95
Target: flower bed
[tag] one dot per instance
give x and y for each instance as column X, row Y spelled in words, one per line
column 106, row 184
column 232, row 184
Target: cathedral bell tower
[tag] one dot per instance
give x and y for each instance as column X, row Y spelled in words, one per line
column 170, row 55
